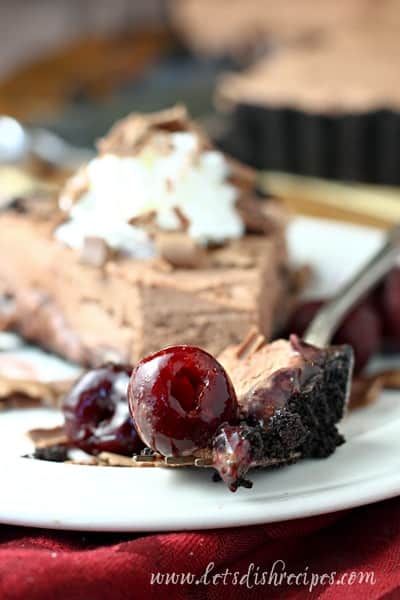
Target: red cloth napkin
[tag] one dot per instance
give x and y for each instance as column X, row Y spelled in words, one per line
column 51, row 565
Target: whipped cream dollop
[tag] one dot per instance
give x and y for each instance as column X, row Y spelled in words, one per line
column 179, row 181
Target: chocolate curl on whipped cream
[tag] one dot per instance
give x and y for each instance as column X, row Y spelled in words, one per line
column 130, row 135
column 176, row 248
column 180, row 251
column 150, row 209
column 74, row 188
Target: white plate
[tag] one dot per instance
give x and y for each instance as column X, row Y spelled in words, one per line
column 365, row 469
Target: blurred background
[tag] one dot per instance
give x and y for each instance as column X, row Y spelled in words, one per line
column 306, row 91
column 76, row 66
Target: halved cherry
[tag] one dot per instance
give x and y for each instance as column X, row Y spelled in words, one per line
column 178, row 398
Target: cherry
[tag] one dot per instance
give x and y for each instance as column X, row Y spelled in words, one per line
column 97, row 415
column 302, row 316
column 389, row 298
column 178, row 398
column 362, row 328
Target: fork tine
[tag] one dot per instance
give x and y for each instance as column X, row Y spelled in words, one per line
column 202, row 462
column 141, row 458
column 179, row 461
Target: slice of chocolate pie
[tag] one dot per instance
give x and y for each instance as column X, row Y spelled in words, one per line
column 271, row 405
column 160, row 239
column 291, row 397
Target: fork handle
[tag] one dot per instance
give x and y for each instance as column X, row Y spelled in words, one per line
column 328, row 318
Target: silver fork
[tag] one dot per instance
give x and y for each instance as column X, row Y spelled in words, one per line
column 328, row 318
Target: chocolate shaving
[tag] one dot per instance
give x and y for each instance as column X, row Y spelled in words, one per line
column 46, row 438
column 74, row 188
column 253, row 215
column 160, row 264
column 18, row 401
column 231, row 255
column 251, row 344
column 145, row 221
column 20, row 391
column 130, row 135
column 391, row 379
column 180, row 250
column 367, row 389
column 184, row 221
column 364, row 391
column 242, row 176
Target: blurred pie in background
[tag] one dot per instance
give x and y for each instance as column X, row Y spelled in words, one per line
column 330, row 109
column 244, row 30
